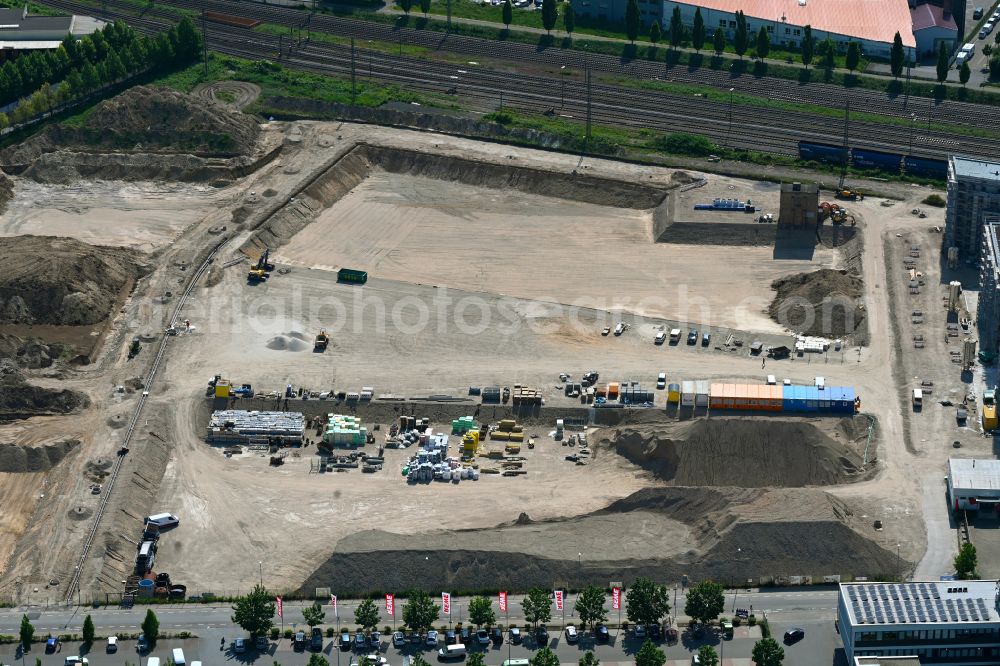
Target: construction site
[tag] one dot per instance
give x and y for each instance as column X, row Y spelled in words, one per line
column 321, row 337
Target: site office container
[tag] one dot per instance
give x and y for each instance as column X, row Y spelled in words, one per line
column 687, row 394
column 674, row 393
column 715, row 396
column 701, row 390
column 741, row 396
column 773, row 401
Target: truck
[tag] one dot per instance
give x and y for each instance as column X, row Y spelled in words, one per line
column 322, row 340
column 675, row 335
column 989, row 415
column 918, row 399
column 352, row 276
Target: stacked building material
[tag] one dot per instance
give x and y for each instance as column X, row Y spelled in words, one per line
column 237, row 426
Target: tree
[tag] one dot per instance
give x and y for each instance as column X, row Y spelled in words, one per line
column 90, row 77
column 88, row 630
column 475, row 659
column 590, row 606
column 896, row 56
column 655, row 33
column 481, row 611
column 705, row 601
column 708, row 656
column 314, row 614
column 569, row 19
column 188, row 40
column 676, row 27
column 650, row 655
column 150, row 627
column 647, row 602
column 698, row 30
column 549, row 15
column 987, row 50
column 763, row 43
column 741, row 37
column 544, row 657
column 116, row 69
column 537, row 605
column 317, row 660
column 420, row 612
column 965, row 73
column 807, row 45
column 255, row 611
column 588, row 659
column 418, row 660
column 942, row 63
column 425, row 6
column 995, row 66
column 508, row 13
column 27, row 633
column 853, row 57
column 366, row 614
column 767, row 652
column 829, row 52
column 719, row 41
column 406, row 6
column 966, row 562
column 632, row 20
column 4, row 121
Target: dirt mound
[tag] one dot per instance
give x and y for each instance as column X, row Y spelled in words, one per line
column 6, row 191
column 148, row 119
column 824, row 303
column 31, row 353
column 62, row 281
column 287, row 343
column 14, row 458
column 747, row 453
column 19, row 400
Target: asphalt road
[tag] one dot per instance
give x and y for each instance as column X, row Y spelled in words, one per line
column 812, row 610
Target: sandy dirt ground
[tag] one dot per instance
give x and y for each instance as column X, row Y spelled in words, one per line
column 415, row 229
column 292, row 519
column 145, row 216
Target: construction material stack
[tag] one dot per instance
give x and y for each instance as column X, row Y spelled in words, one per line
column 344, row 431
column 234, row 426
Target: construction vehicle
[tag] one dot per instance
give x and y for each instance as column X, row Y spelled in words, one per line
column 989, row 415
column 262, row 262
column 133, row 349
column 848, row 193
column 256, row 275
column 322, row 341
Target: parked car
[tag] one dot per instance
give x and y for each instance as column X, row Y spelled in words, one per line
column 542, row 635
column 50, row 644
column 112, row 645
column 345, row 641
column 316, row 642
column 483, row 637
column 299, row 642
column 240, row 645
column 655, row 632
column 661, row 380
column 76, row 660
column 375, row 640
column 660, row 338
column 376, row 659
column 360, row 642
column 693, row 336
column 706, row 339
column 450, row 638
column 496, row 635
column 602, row 633
column 571, row 635
column 465, row 636
column 432, row 639
column 640, row 631
column 515, row 635
column 142, row 644
column 398, row 639
column 794, row 635
column 263, row 644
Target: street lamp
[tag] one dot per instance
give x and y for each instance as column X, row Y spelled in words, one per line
column 371, row 50
column 579, row 559
column 562, row 86
column 730, row 128
column 260, row 568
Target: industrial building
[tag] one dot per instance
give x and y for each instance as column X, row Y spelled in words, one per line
column 974, row 484
column 973, row 202
column 872, row 24
column 254, row 428
column 932, row 26
column 799, row 205
column 953, row 622
column 988, row 304
column 21, row 32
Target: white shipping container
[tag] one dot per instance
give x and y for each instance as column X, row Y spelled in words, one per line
column 687, row 393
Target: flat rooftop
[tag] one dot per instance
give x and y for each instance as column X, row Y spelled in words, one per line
column 874, row 20
column 974, row 474
column 886, row 661
column 935, row 602
column 967, row 167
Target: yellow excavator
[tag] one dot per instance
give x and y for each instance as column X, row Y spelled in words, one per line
column 259, row 271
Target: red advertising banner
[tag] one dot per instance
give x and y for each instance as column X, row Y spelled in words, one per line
column 278, row 601
column 616, row 598
column 559, row 599
column 503, row 602
column 333, row 602
column 446, row 603
column 390, row 604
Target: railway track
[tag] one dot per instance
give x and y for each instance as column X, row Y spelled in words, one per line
column 751, row 127
column 133, row 423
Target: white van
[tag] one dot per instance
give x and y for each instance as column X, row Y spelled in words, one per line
column 152, row 661
column 163, row 520
column 771, row 380
column 456, row 651
column 179, row 657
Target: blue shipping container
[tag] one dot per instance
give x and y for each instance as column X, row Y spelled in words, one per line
column 920, row 166
column 873, row 159
column 821, row 152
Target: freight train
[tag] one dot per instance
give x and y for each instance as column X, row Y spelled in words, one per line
column 873, row 159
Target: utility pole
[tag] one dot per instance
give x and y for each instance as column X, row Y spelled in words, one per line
column 354, row 88
column 204, row 42
column 729, row 129
column 847, row 124
column 449, row 15
column 586, row 142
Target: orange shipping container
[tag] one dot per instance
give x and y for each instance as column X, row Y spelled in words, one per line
column 741, row 396
column 716, row 393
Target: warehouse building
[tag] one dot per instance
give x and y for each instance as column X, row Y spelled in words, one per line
column 974, row 484
column 973, row 201
column 20, row 32
column 932, row 26
column 953, row 622
column 872, row 24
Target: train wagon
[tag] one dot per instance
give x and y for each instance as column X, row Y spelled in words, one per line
column 352, row 276
column 922, row 166
column 822, row 152
column 874, row 159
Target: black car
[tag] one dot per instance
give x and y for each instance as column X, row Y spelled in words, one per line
column 465, row 636
column 300, row 641
column 542, row 635
column 655, row 632
column 345, row 641
column 602, row 633
column 450, row 638
column 316, row 642
column 794, row 635
column 496, row 635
